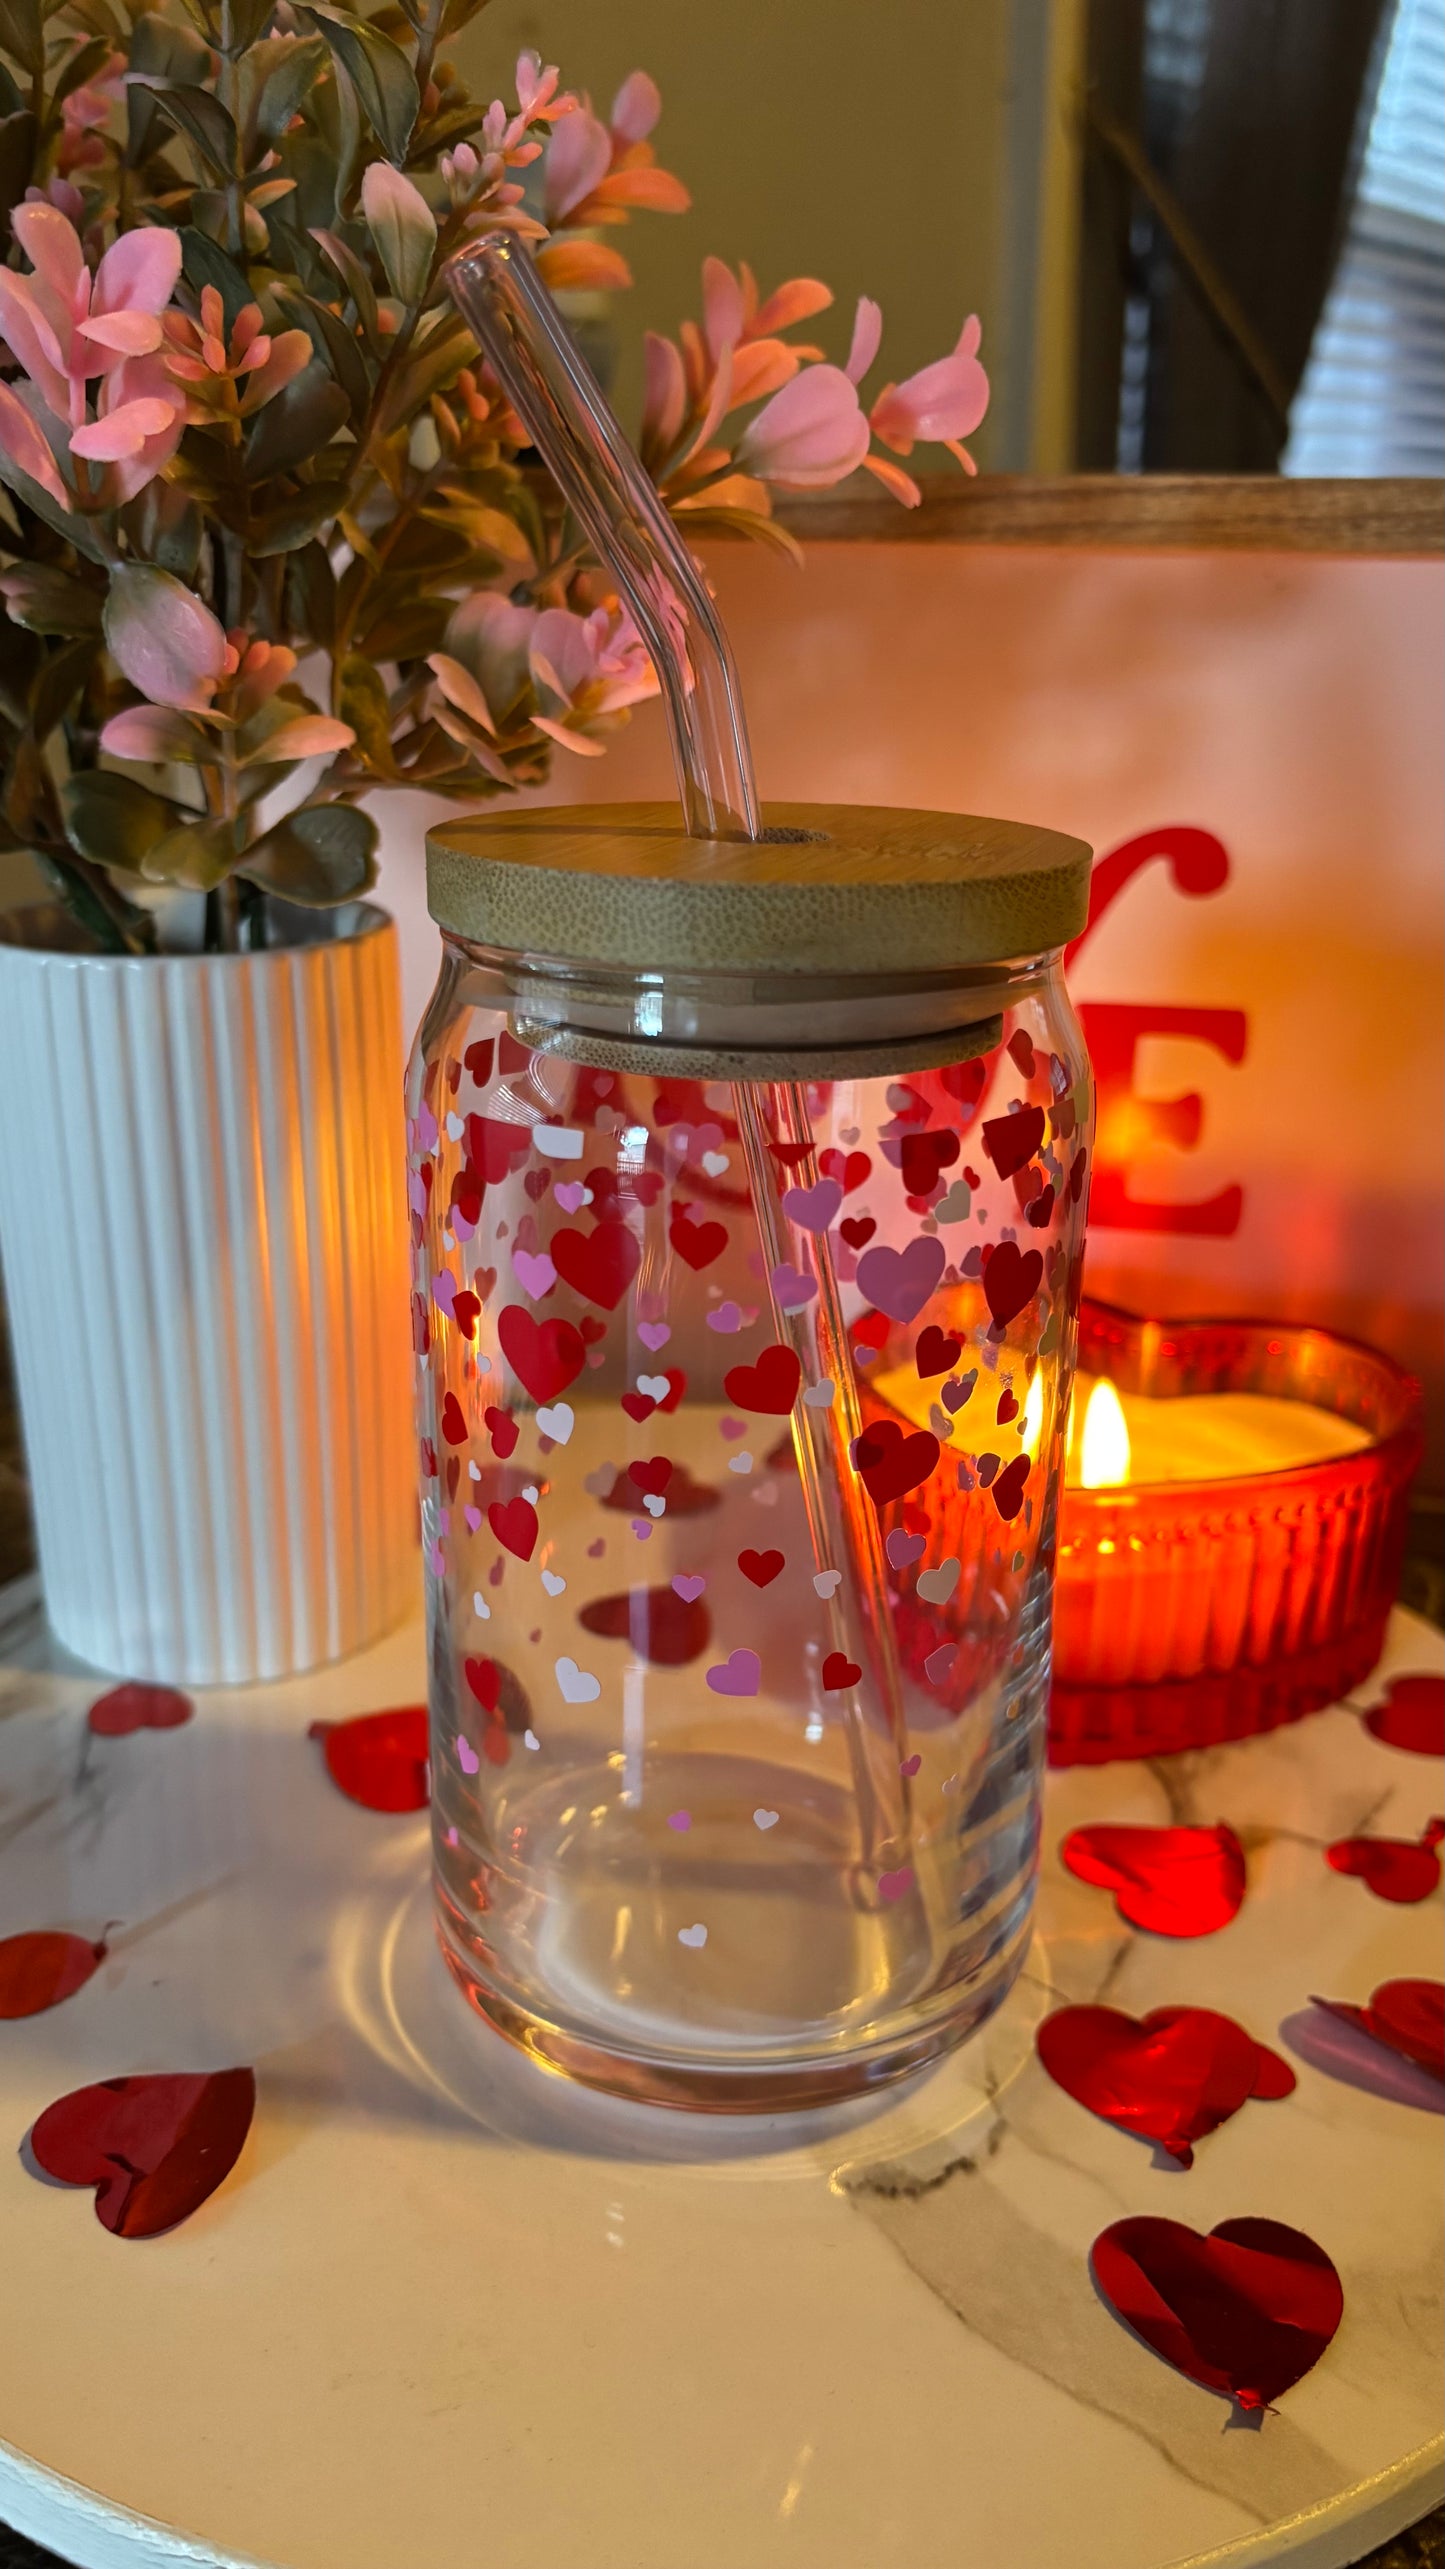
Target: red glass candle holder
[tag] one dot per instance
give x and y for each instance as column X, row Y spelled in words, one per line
column 1187, row 1613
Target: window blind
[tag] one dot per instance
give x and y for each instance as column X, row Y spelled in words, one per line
column 1372, row 399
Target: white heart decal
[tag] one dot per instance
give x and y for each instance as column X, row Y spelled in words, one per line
column 654, row 1386
column 765, row 1819
column 553, row 1585
column 694, row 1937
column 558, row 1421
column 937, row 1586
column 577, row 1684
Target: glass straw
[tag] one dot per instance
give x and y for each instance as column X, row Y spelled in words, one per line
column 504, row 302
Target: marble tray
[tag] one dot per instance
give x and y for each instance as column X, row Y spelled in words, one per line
column 450, row 2310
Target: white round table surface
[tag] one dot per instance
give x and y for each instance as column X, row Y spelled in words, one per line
column 449, row 2309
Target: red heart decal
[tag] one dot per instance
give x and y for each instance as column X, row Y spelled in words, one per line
column 536, row 1183
column 698, row 1242
column 514, row 1523
column 1400, row 1869
column 466, row 1311
column 1246, row 2311
column 1175, row 1882
column 1011, row 1278
column 41, row 1967
column 511, row 1055
column 851, row 1169
column 1171, row 2077
column 790, row 1155
column 138, row 1707
column 599, row 1264
column 1011, row 1140
column 1412, row 1715
column 839, row 1673
column 771, row 1385
column 966, row 1080
column 478, row 1059
column 504, row 1432
column 651, row 1476
column 153, row 2147
column 454, row 1420
column 1406, row 2015
column 545, row 1355
column 484, row 1681
column 921, row 1157
column 890, row 1462
column 936, row 1352
column 858, row 1229
column 638, row 1405
column 761, row 1567
column 467, row 1193
column 1007, row 1487
column 664, row 1629
column 493, row 1148
column 379, row 1759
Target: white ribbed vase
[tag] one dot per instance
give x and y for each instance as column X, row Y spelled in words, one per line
column 204, row 1243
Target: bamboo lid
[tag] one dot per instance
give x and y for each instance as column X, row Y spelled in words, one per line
column 833, row 887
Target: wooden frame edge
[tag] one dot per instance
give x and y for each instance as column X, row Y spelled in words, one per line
column 1160, row 512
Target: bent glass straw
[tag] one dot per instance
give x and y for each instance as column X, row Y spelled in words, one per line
column 497, row 289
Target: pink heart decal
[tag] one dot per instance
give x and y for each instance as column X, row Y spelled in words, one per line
column 738, row 1674
column 899, row 1281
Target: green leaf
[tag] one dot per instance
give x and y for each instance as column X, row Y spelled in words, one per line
column 303, row 417
column 276, row 77
column 431, row 368
column 60, row 682
column 11, row 100
column 311, row 595
column 27, row 788
column 403, row 227
column 378, row 71
column 319, row 856
column 165, row 527
column 342, row 258
column 409, row 632
column 101, row 20
column 363, row 702
column 113, row 819
column 208, row 127
column 83, row 63
column 17, row 161
column 204, row 262
column 199, row 855
column 336, row 346
column 46, row 599
column 296, row 521
column 22, row 33
column 76, row 529
column 164, row 51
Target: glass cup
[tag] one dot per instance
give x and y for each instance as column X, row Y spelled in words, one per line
column 741, row 1402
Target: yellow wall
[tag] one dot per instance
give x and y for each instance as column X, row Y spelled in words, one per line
column 879, row 144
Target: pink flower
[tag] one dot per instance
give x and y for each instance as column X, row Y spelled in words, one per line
column 943, row 402
column 84, row 111
column 635, row 110
column 197, row 356
column 595, row 175
column 67, row 327
column 590, row 668
column 809, row 435
column 732, row 314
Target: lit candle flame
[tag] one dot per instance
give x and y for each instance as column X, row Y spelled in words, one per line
column 1104, row 1447
column 1033, row 1420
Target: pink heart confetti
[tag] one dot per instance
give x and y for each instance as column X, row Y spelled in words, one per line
column 891, row 1886
column 813, row 1207
column 725, row 1320
column 792, row 1289
column 903, row 1548
column 467, row 1758
column 910, row 1765
column 535, row 1273
column 653, row 1333
column 444, row 1290
column 732, row 1427
column 899, row 1281
column 689, row 1585
column 738, row 1674
column 679, row 1820
column 571, row 1194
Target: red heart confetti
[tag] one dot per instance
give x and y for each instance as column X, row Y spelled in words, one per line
column 1171, row 2076
column 138, row 1707
column 857, row 1229
column 1007, row 1487
column 890, row 1462
column 790, row 1155
column 699, row 1243
column 504, row 1432
column 839, row 1673
column 638, row 1405
column 936, row 1352
column 454, row 1420
column 769, row 1386
column 851, row 1169
column 1412, row 1715
column 514, row 1523
column 1406, row 2015
column 1011, row 1278
column 660, row 1627
column 1399, row 1869
column 1174, row 1882
column 599, row 1264
column 685, row 1496
column 545, row 1355
column 761, row 1568
column 494, row 1148
column 651, row 1474
column 379, row 1759
column 41, row 1967
column 1246, row 2311
column 153, row 2147
column 1011, row 1140
column 478, row 1059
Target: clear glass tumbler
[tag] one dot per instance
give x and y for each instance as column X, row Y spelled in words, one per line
column 745, row 1306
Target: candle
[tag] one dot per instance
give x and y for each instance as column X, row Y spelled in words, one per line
column 1128, row 1437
